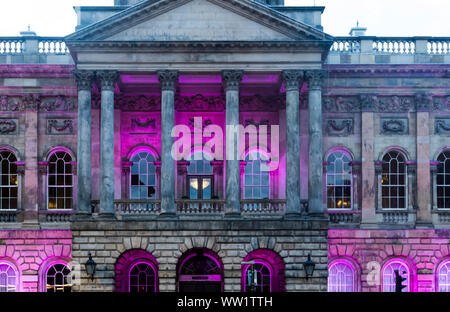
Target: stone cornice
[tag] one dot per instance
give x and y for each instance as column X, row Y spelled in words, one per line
column 249, row 9
column 36, row 71
column 372, row 71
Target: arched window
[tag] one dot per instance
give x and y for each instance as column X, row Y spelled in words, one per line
column 394, row 181
column 258, row 277
column 60, row 181
column 388, row 275
column 9, row 181
column 143, row 176
column 8, row 278
column 341, row 276
column 136, row 271
column 443, row 276
column 200, row 177
column 256, row 176
column 262, row 271
column 142, row 278
column 443, row 180
column 58, row 278
column 339, row 181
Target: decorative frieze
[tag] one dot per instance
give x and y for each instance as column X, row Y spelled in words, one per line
column 394, row 126
column 261, row 103
column 423, row 101
column 9, row 126
column 338, row 104
column 60, row 126
column 194, row 127
column 441, row 104
column 442, row 126
column 199, row 103
column 393, row 104
column 60, row 103
column 380, row 104
column 34, row 102
column 339, row 126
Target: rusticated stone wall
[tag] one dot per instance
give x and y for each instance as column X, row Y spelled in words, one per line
column 422, row 249
column 31, row 250
column 232, row 241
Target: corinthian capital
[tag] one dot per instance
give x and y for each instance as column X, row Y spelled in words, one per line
column 315, row 78
column 292, row 79
column 108, row 79
column 84, row 79
column 232, row 79
column 168, row 79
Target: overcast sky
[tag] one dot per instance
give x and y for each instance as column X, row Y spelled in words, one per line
column 381, row 17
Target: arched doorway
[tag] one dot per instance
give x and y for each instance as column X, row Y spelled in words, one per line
column 199, row 270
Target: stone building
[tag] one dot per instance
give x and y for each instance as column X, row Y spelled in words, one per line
column 350, row 167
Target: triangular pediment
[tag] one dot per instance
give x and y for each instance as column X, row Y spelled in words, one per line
column 198, row 20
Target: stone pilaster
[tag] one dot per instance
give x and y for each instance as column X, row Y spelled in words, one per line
column 84, row 81
column 125, row 177
column 292, row 80
column 232, row 81
column 368, row 177
column 108, row 80
column 168, row 80
column 424, row 200
column 218, row 178
column 181, row 178
column 315, row 185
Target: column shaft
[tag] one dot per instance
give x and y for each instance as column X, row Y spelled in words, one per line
column 292, row 83
column 167, row 80
column 232, row 80
column 84, row 168
column 108, row 79
column 315, row 172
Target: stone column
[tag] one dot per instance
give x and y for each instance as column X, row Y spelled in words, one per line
column 292, row 82
column 84, row 195
column 368, row 178
column 424, row 200
column 315, row 172
column 167, row 80
column 232, row 81
column 108, row 80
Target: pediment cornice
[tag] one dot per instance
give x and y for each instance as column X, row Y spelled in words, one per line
column 246, row 8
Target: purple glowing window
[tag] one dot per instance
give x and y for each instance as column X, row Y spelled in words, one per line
column 256, row 176
column 60, row 181
column 393, row 181
column 143, row 176
column 444, row 277
column 8, row 181
column 142, row 278
column 443, row 181
column 59, row 279
column 341, row 277
column 8, row 278
column 260, row 279
column 339, row 181
column 388, row 275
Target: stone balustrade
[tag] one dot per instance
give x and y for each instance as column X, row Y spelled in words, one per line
column 11, row 45
column 344, row 217
column 8, row 216
column 188, row 206
column 263, row 206
column 52, row 45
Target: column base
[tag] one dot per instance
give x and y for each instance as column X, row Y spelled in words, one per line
column 293, row 215
column 167, row 215
column 82, row 216
column 233, row 215
column 107, row 216
column 317, row 216
column 424, row 224
column 30, row 225
column 369, row 225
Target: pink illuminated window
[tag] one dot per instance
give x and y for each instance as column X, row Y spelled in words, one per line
column 142, row 278
column 60, row 181
column 388, row 275
column 393, row 181
column 256, row 176
column 339, row 181
column 341, row 277
column 9, row 181
column 58, row 279
column 443, row 181
column 143, row 176
column 443, row 277
column 260, row 279
column 8, row 278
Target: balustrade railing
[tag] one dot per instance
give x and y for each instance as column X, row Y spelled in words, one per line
column 263, row 206
column 11, row 45
column 139, row 207
column 344, row 216
column 52, row 45
column 439, row 46
column 8, row 216
column 57, row 216
column 346, row 45
column 394, row 45
column 188, row 206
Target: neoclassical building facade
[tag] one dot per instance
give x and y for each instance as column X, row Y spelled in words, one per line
column 222, row 145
